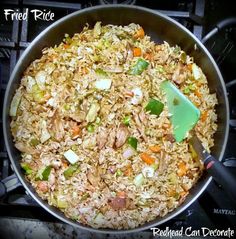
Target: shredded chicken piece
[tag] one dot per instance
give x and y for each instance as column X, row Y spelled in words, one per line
column 84, row 106
column 129, row 52
column 140, row 126
column 104, row 209
column 121, row 135
column 52, row 179
column 105, row 109
column 142, row 117
column 102, row 138
column 57, row 126
column 25, row 148
column 40, row 108
column 43, row 186
column 179, row 74
column 161, row 57
column 94, row 177
column 78, row 117
column 118, row 203
column 130, row 204
column 111, row 138
column 183, row 197
column 162, row 164
column 170, row 137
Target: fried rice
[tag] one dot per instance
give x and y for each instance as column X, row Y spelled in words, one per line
column 89, row 144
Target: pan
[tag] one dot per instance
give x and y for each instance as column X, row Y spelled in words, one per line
column 160, row 28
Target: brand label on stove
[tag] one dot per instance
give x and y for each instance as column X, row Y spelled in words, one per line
column 15, row 14
column 231, row 212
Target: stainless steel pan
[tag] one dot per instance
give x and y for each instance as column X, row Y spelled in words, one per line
column 160, row 28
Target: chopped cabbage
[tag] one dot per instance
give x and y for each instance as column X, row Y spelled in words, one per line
column 15, row 103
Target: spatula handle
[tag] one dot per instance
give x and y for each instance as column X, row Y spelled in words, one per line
column 222, row 175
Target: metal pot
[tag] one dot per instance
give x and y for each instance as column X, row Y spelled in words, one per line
column 160, row 28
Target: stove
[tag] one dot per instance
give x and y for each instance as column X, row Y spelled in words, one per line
column 213, row 209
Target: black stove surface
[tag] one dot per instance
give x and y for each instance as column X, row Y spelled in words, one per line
column 213, row 209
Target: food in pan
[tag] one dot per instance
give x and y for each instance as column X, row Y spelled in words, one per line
column 94, row 130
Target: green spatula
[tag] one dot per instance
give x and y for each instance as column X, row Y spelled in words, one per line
column 184, row 114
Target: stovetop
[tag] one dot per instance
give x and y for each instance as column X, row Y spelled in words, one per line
column 213, row 209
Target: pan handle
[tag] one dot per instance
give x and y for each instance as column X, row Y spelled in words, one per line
column 221, row 174
column 8, row 184
column 228, row 85
column 219, row 26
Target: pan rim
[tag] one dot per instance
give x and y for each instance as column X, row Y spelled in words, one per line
column 24, row 182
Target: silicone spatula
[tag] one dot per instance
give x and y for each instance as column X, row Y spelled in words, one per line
column 184, row 114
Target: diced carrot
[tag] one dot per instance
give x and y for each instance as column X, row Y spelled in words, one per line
column 198, row 94
column 166, row 126
column 140, row 33
column 148, row 56
column 75, row 131
column 129, row 94
column 121, row 194
column 189, row 67
column 47, row 96
column 85, row 70
column 51, row 57
column 172, row 193
column 66, row 46
column 182, row 194
column 155, row 148
column 65, row 164
column 182, row 169
column 204, row 116
column 128, row 171
column 137, row 51
column 199, row 83
column 147, row 158
column 185, row 187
